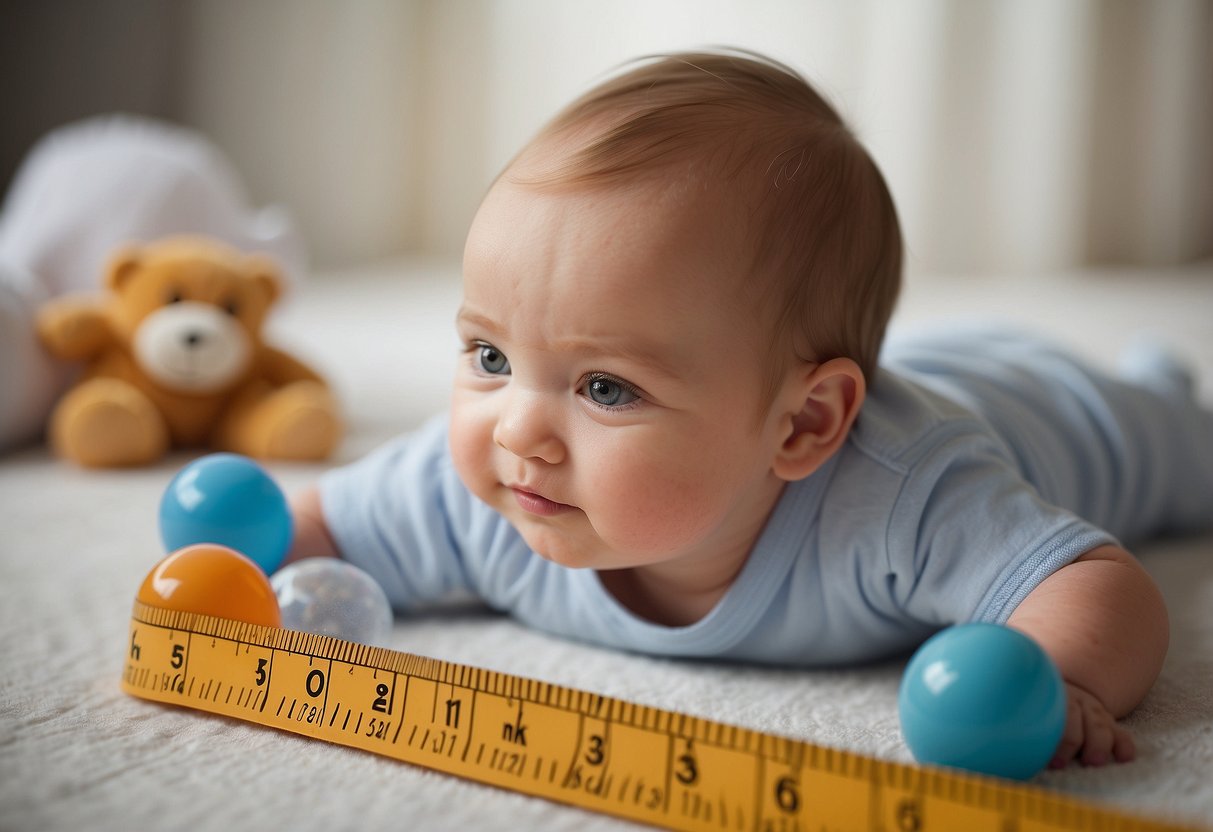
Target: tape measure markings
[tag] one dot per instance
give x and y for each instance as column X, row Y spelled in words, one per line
column 588, row 750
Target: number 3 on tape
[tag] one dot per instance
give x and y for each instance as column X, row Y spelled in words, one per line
column 591, row 751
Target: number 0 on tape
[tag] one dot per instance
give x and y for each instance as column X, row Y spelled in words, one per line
column 591, row 751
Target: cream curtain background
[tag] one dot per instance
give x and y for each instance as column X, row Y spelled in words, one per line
column 1017, row 135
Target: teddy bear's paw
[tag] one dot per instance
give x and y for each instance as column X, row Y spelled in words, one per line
column 108, row 423
column 295, row 422
column 306, row 424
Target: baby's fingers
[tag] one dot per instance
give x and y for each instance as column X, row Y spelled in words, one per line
column 1091, row 734
column 1123, row 747
column 1071, row 735
column 1098, row 734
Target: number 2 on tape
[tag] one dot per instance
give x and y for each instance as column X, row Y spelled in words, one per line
column 583, row 749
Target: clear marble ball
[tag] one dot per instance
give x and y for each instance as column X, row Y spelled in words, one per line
column 330, row 597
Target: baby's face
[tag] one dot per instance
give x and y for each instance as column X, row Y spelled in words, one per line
column 608, row 399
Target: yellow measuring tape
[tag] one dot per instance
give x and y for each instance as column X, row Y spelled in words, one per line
column 591, row 751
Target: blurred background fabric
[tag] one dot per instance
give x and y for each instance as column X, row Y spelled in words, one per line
column 1017, row 135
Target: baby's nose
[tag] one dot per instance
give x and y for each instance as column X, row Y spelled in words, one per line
column 527, row 428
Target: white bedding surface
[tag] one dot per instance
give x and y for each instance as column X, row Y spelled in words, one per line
column 76, row 753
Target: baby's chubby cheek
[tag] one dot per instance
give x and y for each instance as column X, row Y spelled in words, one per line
column 651, row 514
column 471, row 452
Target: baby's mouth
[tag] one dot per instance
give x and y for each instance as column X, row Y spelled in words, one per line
column 537, row 504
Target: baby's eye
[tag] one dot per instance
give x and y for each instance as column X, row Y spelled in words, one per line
column 609, row 392
column 492, row 360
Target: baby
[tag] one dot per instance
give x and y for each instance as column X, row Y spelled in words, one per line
column 669, row 432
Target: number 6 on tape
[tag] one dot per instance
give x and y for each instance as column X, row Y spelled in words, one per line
column 591, row 751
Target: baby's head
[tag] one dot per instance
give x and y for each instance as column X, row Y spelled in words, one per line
column 672, row 297
column 819, row 239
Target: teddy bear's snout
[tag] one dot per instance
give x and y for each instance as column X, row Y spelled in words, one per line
column 192, row 346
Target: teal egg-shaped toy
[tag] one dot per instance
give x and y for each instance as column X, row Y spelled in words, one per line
column 227, row 499
column 984, row 698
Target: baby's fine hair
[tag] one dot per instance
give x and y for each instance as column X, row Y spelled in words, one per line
column 827, row 249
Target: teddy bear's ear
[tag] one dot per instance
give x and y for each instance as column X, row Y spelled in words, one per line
column 122, row 266
column 265, row 274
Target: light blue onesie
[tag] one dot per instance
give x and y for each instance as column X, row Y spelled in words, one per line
column 979, row 465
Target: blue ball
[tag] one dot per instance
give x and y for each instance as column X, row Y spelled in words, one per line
column 985, row 698
column 231, row 500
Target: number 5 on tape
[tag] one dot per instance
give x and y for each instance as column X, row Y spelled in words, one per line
column 594, row 752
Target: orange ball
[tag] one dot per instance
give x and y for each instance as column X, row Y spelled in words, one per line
column 214, row 580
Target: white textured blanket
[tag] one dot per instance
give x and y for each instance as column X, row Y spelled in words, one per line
column 76, row 753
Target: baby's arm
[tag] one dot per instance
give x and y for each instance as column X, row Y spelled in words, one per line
column 312, row 538
column 1104, row 623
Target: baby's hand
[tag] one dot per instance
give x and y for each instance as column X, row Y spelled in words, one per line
column 311, row 538
column 1091, row 735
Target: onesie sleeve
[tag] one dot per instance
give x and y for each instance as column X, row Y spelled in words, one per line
column 402, row 515
column 970, row 538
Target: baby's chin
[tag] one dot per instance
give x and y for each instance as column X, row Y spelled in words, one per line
column 563, row 550
column 562, row 555
column 571, row 553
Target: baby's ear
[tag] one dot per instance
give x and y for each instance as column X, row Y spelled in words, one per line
column 819, row 404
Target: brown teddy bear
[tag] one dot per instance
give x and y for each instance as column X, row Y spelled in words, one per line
column 176, row 358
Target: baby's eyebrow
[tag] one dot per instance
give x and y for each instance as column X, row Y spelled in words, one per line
column 467, row 316
column 643, row 354
column 635, row 353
